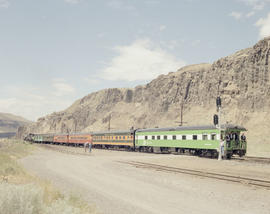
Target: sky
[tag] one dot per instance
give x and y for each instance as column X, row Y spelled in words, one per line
column 53, row 52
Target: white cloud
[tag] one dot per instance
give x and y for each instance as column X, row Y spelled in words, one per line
column 162, row 27
column 4, row 3
column 264, row 26
column 141, row 60
column 236, row 15
column 256, row 4
column 72, row 1
column 6, row 104
column 32, row 103
column 252, row 13
column 62, row 88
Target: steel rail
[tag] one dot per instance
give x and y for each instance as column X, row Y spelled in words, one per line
column 218, row 176
column 253, row 159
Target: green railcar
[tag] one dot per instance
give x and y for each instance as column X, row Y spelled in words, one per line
column 42, row 138
column 47, row 138
column 198, row 140
column 38, row 138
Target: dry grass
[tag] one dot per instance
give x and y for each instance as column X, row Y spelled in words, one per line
column 26, row 194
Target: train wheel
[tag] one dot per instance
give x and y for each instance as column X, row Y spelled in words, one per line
column 228, row 156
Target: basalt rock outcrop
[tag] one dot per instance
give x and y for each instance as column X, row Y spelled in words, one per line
column 241, row 79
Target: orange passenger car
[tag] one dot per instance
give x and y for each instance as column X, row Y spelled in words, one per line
column 61, row 138
column 80, row 138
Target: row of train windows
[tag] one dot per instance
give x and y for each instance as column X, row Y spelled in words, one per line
column 79, row 138
column 112, row 137
column 184, row 137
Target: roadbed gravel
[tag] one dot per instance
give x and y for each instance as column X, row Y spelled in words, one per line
column 104, row 181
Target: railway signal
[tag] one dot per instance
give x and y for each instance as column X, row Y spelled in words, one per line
column 217, row 120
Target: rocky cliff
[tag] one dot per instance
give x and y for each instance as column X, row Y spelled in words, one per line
column 241, row 79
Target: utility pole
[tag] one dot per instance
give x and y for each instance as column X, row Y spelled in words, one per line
column 182, row 109
column 183, row 101
column 218, row 101
column 109, row 125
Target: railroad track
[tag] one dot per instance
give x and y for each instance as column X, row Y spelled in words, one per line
column 217, row 176
column 63, row 150
column 253, row 159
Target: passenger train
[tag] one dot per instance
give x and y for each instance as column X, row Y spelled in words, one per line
column 196, row 140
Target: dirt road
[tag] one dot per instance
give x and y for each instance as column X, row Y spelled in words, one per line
column 119, row 188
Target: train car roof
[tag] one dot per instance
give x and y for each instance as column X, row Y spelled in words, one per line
column 48, row 134
column 81, row 133
column 180, row 128
column 113, row 132
column 60, row 134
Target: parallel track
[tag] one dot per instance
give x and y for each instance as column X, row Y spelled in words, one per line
column 217, row 176
column 253, row 159
column 62, row 150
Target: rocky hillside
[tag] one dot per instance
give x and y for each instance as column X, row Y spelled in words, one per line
column 242, row 79
column 9, row 124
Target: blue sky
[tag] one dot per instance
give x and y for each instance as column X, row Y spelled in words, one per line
column 53, row 52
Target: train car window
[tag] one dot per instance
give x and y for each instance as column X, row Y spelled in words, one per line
column 158, row 137
column 184, row 137
column 194, row 137
column 236, row 137
column 165, row 137
column 145, row 137
column 213, row 136
column 205, row 137
column 153, row 137
column 174, row 137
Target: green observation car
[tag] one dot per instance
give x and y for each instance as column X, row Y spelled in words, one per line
column 196, row 140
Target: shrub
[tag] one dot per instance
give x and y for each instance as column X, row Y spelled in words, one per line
column 21, row 199
column 28, row 199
